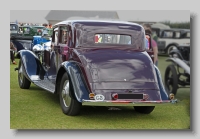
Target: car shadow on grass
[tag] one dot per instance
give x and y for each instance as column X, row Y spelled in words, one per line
column 99, row 111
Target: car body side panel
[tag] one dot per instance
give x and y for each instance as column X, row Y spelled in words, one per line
column 163, row 92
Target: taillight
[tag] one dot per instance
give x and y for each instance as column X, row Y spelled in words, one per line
column 115, row 96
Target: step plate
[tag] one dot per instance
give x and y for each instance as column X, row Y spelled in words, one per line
column 45, row 84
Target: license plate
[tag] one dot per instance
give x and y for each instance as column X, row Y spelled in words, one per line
column 130, row 96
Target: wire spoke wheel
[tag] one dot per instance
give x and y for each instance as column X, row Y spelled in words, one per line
column 171, row 79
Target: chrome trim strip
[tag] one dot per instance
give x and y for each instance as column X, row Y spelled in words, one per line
column 127, row 103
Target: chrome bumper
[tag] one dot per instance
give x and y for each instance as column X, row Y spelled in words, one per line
column 127, row 103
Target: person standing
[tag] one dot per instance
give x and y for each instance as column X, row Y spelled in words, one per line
column 45, row 31
column 148, row 30
column 12, row 49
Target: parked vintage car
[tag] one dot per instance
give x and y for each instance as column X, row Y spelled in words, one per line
column 29, row 36
column 14, row 28
column 169, row 38
column 92, row 63
column 29, row 30
column 177, row 74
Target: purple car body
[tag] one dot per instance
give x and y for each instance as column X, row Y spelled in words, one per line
column 92, row 63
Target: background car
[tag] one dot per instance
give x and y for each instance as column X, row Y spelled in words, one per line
column 171, row 37
column 31, row 30
column 28, row 36
column 177, row 74
column 14, row 28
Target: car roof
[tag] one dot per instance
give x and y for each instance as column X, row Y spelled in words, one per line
column 96, row 21
column 13, row 23
column 25, row 26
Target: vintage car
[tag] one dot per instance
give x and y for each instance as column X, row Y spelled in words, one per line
column 31, row 30
column 169, row 38
column 92, row 63
column 14, row 28
column 177, row 74
column 29, row 36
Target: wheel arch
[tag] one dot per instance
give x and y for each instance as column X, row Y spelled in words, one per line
column 80, row 90
column 169, row 45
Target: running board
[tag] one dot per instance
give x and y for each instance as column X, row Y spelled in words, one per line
column 45, row 84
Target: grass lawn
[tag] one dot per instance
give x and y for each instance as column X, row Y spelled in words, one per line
column 38, row 109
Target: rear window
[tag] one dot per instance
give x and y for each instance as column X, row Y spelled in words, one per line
column 112, row 39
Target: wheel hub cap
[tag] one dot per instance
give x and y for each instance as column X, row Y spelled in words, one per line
column 65, row 94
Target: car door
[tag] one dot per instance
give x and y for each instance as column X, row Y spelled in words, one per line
column 63, row 43
column 55, row 47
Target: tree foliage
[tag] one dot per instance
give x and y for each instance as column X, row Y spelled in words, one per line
column 184, row 25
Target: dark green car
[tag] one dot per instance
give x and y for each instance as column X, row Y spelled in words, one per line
column 31, row 30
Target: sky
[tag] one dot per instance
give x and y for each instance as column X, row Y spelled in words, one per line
column 127, row 15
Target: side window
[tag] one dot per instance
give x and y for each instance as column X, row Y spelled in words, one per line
column 26, row 30
column 55, row 35
column 63, row 34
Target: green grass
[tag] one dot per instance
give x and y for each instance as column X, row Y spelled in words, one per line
column 38, row 109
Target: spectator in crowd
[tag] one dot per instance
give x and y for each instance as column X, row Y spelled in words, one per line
column 148, row 30
column 50, row 25
column 45, row 31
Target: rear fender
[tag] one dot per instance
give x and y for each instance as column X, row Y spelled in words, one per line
column 75, row 75
column 163, row 92
column 180, row 63
column 31, row 64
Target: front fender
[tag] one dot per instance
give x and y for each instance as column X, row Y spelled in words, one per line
column 180, row 63
column 32, row 65
column 80, row 88
column 176, row 51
